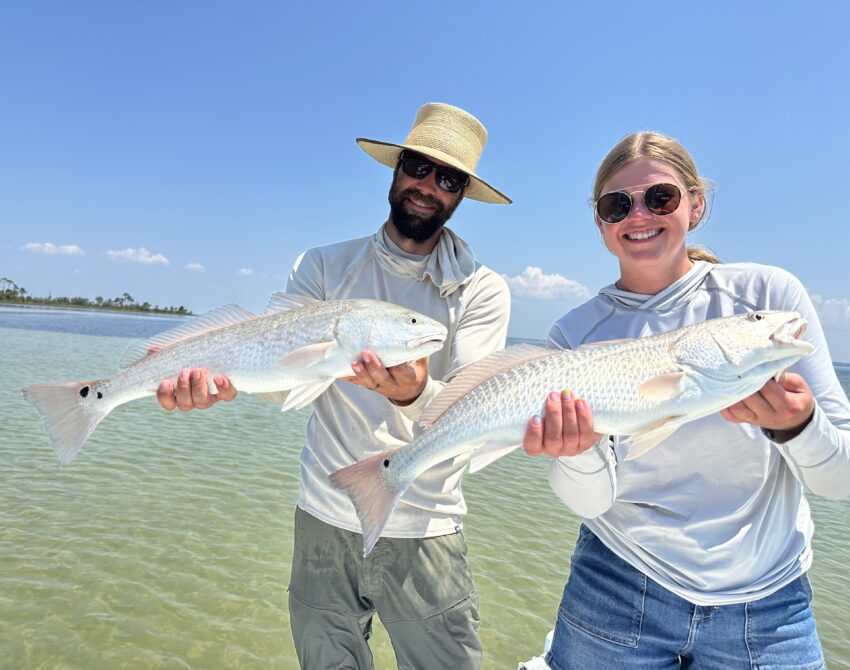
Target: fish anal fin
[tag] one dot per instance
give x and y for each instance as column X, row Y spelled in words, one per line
column 274, row 397
column 642, row 441
column 309, row 355
column 663, row 387
column 488, row 453
column 303, row 395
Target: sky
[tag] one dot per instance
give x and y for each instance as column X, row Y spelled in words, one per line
column 187, row 152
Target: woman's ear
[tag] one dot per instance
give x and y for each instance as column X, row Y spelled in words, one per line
column 697, row 209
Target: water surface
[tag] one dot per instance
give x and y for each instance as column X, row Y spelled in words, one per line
column 166, row 544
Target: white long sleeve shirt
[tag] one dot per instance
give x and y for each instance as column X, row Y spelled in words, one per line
column 716, row 513
column 350, row 423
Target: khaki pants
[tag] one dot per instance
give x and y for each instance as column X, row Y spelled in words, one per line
column 421, row 588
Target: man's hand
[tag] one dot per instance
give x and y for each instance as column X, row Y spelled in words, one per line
column 566, row 429
column 401, row 384
column 192, row 390
column 785, row 407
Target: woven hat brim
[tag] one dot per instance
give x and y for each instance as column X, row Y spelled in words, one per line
column 388, row 153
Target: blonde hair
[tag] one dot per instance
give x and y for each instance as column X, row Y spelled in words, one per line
column 649, row 144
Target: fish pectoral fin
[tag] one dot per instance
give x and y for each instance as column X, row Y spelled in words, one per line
column 274, row 397
column 307, row 356
column 642, row 441
column 488, row 453
column 663, row 387
column 303, row 395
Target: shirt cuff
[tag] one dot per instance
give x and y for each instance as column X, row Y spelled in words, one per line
column 813, row 445
column 414, row 410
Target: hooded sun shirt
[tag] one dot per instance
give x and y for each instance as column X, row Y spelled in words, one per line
column 715, row 513
column 350, row 423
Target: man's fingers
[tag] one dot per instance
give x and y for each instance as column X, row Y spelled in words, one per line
column 226, row 390
column 183, row 392
column 362, row 376
column 201, row 396
column 533, row 441
column 739, row 413
column 165, row 395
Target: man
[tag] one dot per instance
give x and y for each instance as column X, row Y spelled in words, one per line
column 417, row 578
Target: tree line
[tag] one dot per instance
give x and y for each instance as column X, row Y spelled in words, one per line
column 11, row 292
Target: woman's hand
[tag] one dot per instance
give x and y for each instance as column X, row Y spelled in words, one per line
column 565, row 429
column 784, row 407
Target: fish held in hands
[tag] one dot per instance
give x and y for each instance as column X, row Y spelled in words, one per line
column 291, row 353
column 642, row 388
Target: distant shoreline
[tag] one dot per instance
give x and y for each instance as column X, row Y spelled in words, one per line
column 95, row 308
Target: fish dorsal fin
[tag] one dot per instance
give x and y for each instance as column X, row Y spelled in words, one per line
column 476, row 373
column 280, row 302
column 590, row 345
column 221, row 317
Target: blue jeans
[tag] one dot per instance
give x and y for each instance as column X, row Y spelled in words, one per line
column 613, row 616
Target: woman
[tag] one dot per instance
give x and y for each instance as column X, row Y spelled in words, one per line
column 697, row 552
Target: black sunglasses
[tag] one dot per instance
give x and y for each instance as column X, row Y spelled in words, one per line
column 660, row 199
column 419, row 167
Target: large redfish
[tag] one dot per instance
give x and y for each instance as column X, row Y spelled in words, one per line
column 644, row 388
column 298, row 345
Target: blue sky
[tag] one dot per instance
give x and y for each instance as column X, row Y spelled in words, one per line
column 187, row 152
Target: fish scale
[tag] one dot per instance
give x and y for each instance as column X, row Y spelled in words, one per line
column 644, row 388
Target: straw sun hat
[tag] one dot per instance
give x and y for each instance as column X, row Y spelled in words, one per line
column 447, row 134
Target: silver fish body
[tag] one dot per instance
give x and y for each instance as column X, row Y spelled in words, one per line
column 291, row 353
column 643, row 388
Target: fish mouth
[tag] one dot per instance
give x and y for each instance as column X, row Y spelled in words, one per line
column 430, row 340
column 789, row 334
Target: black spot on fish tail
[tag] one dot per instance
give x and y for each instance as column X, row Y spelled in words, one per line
column 84, row 391
column 99, row 395
column 386, row 462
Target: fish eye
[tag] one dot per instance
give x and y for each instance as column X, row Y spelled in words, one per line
column 413, row 320
column 756, row 316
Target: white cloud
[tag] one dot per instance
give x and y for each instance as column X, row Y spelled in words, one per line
column 245, row 272
column 140, row 255
column 54, row 249
column 833, row 312
column 195, row 267
column 533, row 284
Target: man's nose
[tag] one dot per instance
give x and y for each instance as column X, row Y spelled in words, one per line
column 428, row 184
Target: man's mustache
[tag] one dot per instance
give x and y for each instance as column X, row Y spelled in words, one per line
column 428, row 200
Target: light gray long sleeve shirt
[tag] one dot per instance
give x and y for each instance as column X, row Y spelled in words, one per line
column 350, row 423
column 716, row 513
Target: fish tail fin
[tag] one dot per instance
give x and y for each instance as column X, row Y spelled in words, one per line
column 374, row 497
column 68, row 419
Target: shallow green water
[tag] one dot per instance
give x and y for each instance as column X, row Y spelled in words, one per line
column 167, row 543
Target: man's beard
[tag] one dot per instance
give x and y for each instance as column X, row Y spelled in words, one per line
column 413, row 225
